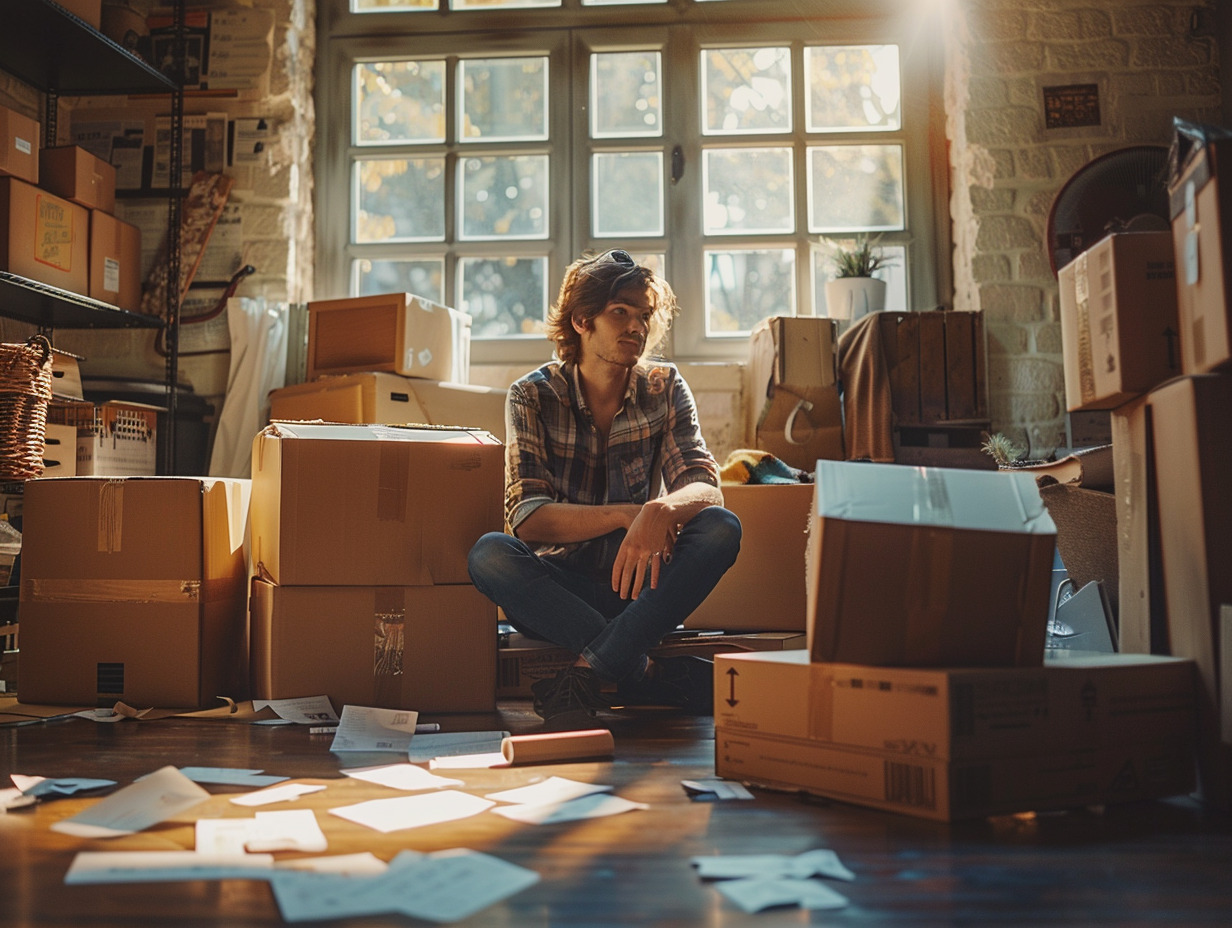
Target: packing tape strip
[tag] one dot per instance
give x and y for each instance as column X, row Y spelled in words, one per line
column 132, row 591
column 547, row 747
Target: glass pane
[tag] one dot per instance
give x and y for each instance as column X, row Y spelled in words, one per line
column 894, row 273
column 503, row 99
column 744, row 287
column 400, row 101
column 626, row 96
column 506, row 297
column 855, row 188
column 504, row 196
column 499, row 4
column 627, row 193
column 400, row 200
column 424, row 277
column 746, row 90
column 852, row 87
column 748, row 190
column 392, row 6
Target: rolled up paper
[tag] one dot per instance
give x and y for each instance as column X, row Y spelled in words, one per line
column 553, row 746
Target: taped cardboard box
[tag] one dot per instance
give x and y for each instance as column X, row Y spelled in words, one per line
column 927, row 566
column 429, row 648
column 795, row 408
column 1192, row 448
column 1118, row 319
column 71, row 172
column 1200, row 209
column 372, row 505
column 397, row 333
column 765, row 588
column 44, row 237
column 954, row 743
column 145, row 579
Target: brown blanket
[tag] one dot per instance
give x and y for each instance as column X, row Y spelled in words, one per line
column 867, row 403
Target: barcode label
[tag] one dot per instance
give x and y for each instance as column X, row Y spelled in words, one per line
column 911, row 785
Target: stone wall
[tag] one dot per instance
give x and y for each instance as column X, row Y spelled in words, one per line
column 1150, row 62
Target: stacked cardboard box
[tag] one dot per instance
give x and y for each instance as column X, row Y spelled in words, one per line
column 924, row 687
column 134, row 590
column 360, row 535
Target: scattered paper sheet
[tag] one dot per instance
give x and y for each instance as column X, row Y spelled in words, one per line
column 487, row 761
column 756, row 894
column 367, row 729
column 43, row 788
column 161, row 866
column 595, row 805
column 283, row 793
column 426, row 747
column 231, row 776
column 223, row 836
column 445, row 886
column 287, row 830
column 386, row 815
column 553, row 789
column 364, row 863
column 400, row 776
column 307, row 710
column 13, row 799
column 818, row 862
column 153, row 799
column 713, row 789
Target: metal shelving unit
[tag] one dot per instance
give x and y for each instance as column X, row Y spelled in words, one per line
column 57, row 53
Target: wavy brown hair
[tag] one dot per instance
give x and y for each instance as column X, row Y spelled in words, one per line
column 593, row 281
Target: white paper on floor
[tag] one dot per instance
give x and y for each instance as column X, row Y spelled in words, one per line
column 406, row 777
column 386, row 815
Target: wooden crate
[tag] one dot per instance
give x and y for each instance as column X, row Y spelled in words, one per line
column 936, row 364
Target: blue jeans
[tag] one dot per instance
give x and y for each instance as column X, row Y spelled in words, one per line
column 581, row 612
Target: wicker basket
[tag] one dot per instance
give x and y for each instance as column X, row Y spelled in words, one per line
column 25, row 392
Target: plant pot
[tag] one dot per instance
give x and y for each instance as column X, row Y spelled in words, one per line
column 854, row 297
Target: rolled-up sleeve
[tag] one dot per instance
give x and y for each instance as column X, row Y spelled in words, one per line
column 528, row 480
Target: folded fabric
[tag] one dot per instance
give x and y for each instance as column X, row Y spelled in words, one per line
column 747, row 465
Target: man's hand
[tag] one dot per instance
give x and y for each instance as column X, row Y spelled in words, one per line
column 646, row 549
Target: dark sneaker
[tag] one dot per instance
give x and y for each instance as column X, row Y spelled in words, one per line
column 679, row 682
column 570, row 698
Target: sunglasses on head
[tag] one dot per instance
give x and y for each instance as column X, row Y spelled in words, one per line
column 617, row 256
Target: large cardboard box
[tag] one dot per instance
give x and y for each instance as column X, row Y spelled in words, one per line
column 44, row 237
column 927, row 566
column 764, row 589
column 1192, row 448
column 71, row 172
column 795, row 408
column 394, row 332
column 391, row 399
column 1118, row 319
column 429, row 648
column 134, row 590
column 1200, row 208
column 952, row 743
column 372, row 505
column 115, row 261
column 19, row 145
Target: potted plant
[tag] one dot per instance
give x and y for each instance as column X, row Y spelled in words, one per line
column 854, row 291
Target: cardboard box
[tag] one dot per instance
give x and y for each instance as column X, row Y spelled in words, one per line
column 19, row 145
column 89, row 10
column 71, row 172
column 43, row 237
column 429, row 648
column 60, row 451
column 765, row 588
column 1118, row 319
column 135, row 591
column 927, row 566
column 1200, row 207
column 935, row 362
column 795, row 408
column 121, row 442
column 115, row 261
column 393, row 332
column 372, row 505
column 391, row 399
column 1192, row 448
column 953, row 743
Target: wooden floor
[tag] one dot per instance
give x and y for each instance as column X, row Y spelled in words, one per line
column 1161, row 863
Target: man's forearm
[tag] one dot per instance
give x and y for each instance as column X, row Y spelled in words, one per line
column 565, row 523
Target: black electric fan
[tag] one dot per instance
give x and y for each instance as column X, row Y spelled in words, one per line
column 1121, row 191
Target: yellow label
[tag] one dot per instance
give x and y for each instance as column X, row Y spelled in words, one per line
column 53, row 233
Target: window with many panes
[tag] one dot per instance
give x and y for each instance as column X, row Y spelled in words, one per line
column 470, row 149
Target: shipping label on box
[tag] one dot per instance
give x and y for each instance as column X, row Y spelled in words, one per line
column 43, row 237
column 927, row 566
column 147, row 578
column 431, row 648
column 121, row 442
column 372, row 504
